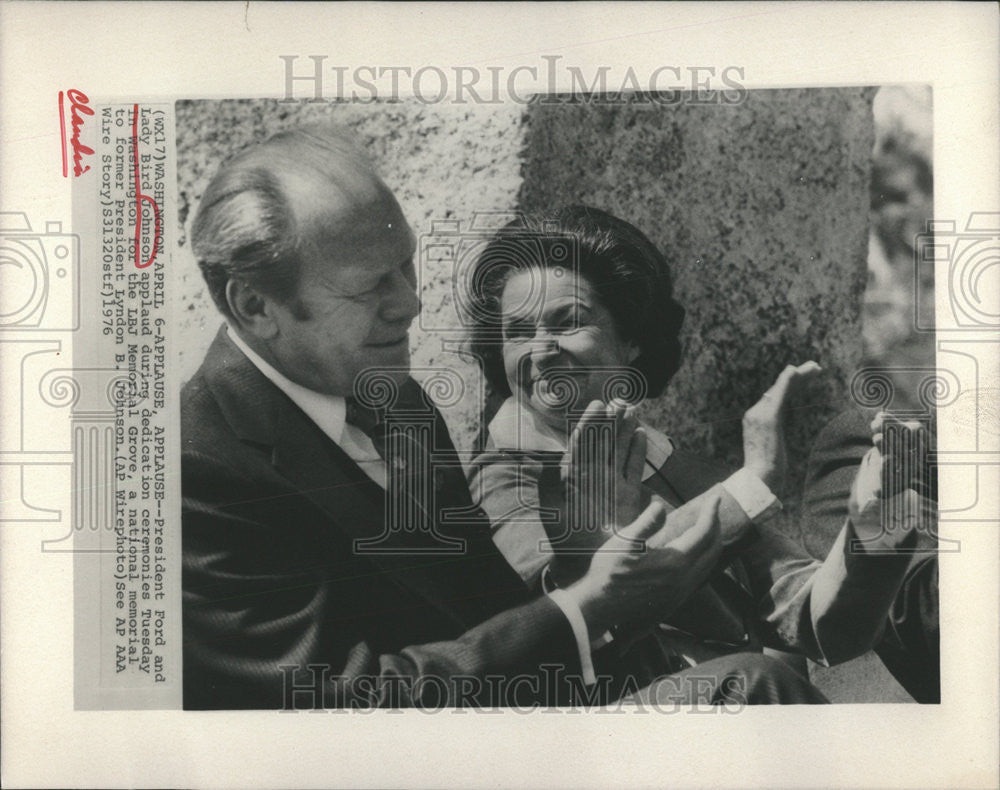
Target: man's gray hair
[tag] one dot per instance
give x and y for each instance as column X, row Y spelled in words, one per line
column 245, row 228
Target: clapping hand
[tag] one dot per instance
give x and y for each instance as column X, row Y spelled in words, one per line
column 764, row 451
column 644, row 573
column 898, row 461
column 601, row 485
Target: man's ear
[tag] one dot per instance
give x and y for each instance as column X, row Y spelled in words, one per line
column 253, row 311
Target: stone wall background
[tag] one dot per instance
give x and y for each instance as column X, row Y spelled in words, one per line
column 442, row 162
column 762, row 207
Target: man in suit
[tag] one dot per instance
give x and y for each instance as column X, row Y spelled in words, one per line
column 910, row 646
column 295, row 592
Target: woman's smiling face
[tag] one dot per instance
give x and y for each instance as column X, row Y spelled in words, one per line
column 558, row 338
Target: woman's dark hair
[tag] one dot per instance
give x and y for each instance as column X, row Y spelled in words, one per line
column 626, row 271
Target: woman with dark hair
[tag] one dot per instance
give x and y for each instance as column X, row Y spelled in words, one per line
column 574, row 323
column 626, row 273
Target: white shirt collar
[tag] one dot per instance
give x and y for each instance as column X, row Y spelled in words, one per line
column 327, row 411
column 520, row 428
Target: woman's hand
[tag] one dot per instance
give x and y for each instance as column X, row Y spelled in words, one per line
column 602, row 484
column 764, row 451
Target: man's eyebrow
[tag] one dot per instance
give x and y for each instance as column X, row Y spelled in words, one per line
column 375, row 276
column 572, row 306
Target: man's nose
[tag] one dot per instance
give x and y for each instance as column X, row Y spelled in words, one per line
column 402, row 302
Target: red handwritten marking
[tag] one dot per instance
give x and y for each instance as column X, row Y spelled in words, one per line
column 62, row 131
column 141, row 198
column 79, row 105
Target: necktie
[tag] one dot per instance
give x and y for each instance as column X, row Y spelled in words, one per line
column 429, row 515
column 421, row 495
column 372, row 424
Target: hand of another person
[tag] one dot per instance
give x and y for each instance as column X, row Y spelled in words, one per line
column 764, row 451
column 906, row 447
column 898, row 461
column 643, row 573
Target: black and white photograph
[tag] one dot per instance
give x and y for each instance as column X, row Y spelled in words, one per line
column 664, row 331
column 472, row 395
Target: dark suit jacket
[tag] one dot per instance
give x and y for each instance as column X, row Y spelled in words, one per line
column 910, row 648
column 271, row 579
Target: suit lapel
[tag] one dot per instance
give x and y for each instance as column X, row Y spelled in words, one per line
column 261, row 414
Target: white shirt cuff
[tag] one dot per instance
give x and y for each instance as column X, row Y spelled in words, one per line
column 752, row 495
column 548, row 586
column 569, row 607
